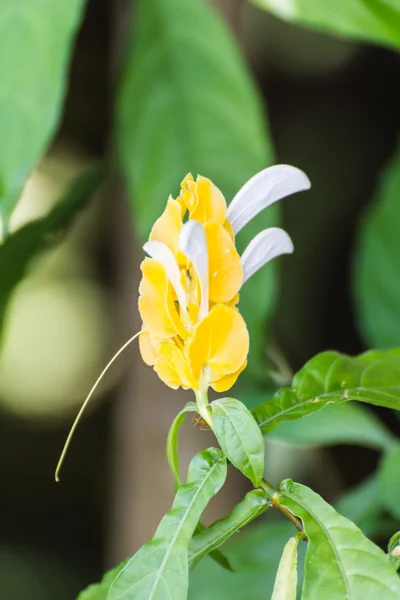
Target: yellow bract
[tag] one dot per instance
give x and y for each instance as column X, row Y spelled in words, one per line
column 185, row 347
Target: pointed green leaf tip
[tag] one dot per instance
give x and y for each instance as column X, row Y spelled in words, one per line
column 239, row 437
column 160, row 571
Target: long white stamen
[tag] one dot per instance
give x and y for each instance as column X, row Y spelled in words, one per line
column 265, row 246
column 86, row 402
column 265, row 188
column 193, row 244
column 162, row 254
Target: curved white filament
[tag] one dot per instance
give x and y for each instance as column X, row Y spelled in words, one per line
column 192, row 243
column 265, row 188
column 162, row 254
column 265, row 246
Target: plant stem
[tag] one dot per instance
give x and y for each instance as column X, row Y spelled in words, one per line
column 273, row 497
column 203, row 406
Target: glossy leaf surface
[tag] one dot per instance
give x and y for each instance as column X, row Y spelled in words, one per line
column 239, row 437
column 331, row 377
column 159, row 570
column 218, row 533
column 340, row 561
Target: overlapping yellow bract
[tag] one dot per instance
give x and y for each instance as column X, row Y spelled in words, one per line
column 185, row 349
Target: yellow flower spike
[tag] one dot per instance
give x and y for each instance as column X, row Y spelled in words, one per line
column 173, row 368
column 147, row 349
column 204, row 201
column 225, row 269
column 219, row 346
column 157, row 302
column 167, row 227
column 225, row 383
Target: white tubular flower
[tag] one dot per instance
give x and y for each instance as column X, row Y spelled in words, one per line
column 265, row 246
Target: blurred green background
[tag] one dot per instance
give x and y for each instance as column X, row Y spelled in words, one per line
column 223, row 91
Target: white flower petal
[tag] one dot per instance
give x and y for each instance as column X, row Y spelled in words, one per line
column 193, row 244
column 264, row 189
column 265, row 246
column 162, row 254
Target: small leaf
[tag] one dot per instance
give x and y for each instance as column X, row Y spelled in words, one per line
column 183, row 106
column 32, row 84
column 376, row 267
column 285, row 587
column 377, row 21
column 338, row 424
column 340, row 561
column 372, row 377
column 23, row 245
column 172, row 441
column 218, row 533
column 239, row 437
column 99, row 591
column 159, row 570
column 389, row 476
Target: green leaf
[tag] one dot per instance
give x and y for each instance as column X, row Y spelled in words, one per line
column 36, row 39
column 377, row 20
column 20, row 247
column 331, row 377
column 363, row 505
column 285, row 587
column 173, row 461
column 340, row 561
column 239, row 437
column 338, row 424
column 172, row 442
column 183, row 106
column 254, row 554
column 389, row 476
column 99, row 591
column 218, row 533
column 160, row 569
column 376, row 267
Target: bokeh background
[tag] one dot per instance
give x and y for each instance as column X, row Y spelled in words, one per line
column 331, row 108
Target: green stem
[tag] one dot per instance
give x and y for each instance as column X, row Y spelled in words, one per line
column 273, row 497
column 203, row 406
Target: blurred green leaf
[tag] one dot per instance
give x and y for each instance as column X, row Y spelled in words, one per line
column 36, row 40
column 20, row 247
column 377, row 21
column 218, row 533
column 254, row 554
column 187, row 103
column 377, row 263
column 389, row 476
column 372, row 377
column 160, row 569
column 363, row 505
column 338, row 424
column 285, row 587
column 239, row 437
column 340, row 561
column 99, row 591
